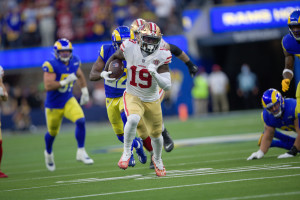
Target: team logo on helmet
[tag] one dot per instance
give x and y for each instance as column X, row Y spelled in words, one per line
column 294, row 21
column 120, row 34
column 63, row 45
column 273, row 102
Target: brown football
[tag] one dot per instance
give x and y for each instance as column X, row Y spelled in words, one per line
column 117, row 68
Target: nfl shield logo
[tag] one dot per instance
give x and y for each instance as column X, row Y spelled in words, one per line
column 143, row 60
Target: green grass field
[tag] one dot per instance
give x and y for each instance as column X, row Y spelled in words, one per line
column 203, row 165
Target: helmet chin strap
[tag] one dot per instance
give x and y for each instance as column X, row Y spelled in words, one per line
column 278, row 114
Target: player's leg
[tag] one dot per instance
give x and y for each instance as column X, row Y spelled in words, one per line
column 285, row 141
column 2, row 175
column 134, row 110
column 53, row 119
column 74, row 113
column 168, row 142
column 116, row 121
column 153, row 121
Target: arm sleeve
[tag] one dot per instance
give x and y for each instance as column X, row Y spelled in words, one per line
column 163, row 80
column 175, row 50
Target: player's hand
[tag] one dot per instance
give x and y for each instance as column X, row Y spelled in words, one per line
column 85, row 97
column 285, row 83
column 105, row 75
column 286, row 155
column 256, row 155
column 151, row 69
column 72, row 77
column 193, row 70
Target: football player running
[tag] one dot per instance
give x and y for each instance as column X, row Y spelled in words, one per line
column 3, row 97
column 278, row 113
column 135, row 26
column 60, row 73
column 114, row 90
column 291, row 48
column 148, row 68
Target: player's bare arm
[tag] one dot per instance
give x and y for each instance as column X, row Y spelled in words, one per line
column 289, row 65
column 267, row 138
column 50, row 82
column 297, row 129
column 163, row 68
column 97, row 68
column 81, row 78
column 117, row 55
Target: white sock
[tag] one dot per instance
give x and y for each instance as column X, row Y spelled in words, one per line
column 157, row 144
column 163, row 127
column 129, row 132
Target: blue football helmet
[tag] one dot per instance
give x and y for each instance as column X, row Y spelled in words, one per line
column 63, row 45
column 294, row 20
column 270, row 98
column 120, row 34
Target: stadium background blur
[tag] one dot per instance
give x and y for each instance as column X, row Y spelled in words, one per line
column 31, row 27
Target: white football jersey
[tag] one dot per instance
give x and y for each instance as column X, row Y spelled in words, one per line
column 162, row 43
column 139, row 81
column 1, row 71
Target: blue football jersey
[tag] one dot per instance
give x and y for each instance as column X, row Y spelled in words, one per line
column 116, row 88
column 286, row 121
column 291, row 45
column 58, row 98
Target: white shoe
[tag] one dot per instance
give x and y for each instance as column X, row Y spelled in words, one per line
column 285, row 155
column 84, row 157
column 49, row 160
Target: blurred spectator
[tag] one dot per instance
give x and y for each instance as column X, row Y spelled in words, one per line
column 21, row 117
column 219, row 86
column 200, row 92
column 34, row 98
column 247, row 87
column 64, row 20
column 99, row 94
column 46, row 14
column 30, row 26
column 163, row 10
column 10, row 106
column 13, row 25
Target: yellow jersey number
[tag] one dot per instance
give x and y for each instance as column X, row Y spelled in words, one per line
column 67, row 87
column 118, row 82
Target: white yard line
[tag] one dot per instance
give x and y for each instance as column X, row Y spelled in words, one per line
column 262, row 196
column 172, row 187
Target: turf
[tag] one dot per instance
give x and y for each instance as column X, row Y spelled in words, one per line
column 204, row 171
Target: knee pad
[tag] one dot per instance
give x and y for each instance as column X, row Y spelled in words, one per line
column 133, row 120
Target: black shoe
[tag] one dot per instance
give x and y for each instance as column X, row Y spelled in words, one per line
column 168, row 142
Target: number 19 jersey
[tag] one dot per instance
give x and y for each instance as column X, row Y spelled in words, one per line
column 139, row 81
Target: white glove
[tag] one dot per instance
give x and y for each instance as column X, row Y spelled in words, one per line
column 72, row 77
column 286, row 155
column 151, row 69
column 256, row 155
column 105, row 75
column 84, row 99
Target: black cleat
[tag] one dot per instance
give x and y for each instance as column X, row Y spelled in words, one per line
column 151, row 165
column 168, row 142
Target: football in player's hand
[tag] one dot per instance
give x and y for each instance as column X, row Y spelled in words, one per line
column 117, row 68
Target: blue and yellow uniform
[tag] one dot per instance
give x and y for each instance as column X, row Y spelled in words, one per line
column 285, row 122
column 61, row 102
column 114, row 92
column 291, row 45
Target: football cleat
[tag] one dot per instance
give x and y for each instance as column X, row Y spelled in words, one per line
column 49, row 160
column 83, row 157
column 140, row 151
column 159, row 167
column 168, row 142
column 151, row 166
column 131, row 161
column 2, row 175
column 123, row 164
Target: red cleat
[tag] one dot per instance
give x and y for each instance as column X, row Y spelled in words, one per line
column 2, row 175
column 123, row 164
column 159, row 172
